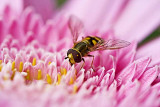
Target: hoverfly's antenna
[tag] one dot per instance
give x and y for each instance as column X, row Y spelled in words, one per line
column 66, row 57
column 69, row 60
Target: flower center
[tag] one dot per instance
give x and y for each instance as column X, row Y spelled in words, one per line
column 35, row 75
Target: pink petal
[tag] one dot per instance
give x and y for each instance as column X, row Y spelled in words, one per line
column 125, row 56
column 127, row 74
column 80, row 79
column 128, row 95
column 101, row 75
column 16, row 5
column 105, row 81
column 103, row 16
column 150, row 98
column 112, row 76
column 148, row 77
column 14, row 27
column 152, row 50
column 132, row 71
column 27, row 17
column 138, row 20
column 141, row 66
column 43, row 7
column 29, row 38
column 157, row 87
column 108, row 59
column 2, row 30
column 31, row 24
column 48, row 31
column 36, row 24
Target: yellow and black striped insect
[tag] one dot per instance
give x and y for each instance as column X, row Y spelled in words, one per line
column 88, row 44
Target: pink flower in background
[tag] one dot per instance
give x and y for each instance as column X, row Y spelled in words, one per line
column 44, row 7
column 33, row 71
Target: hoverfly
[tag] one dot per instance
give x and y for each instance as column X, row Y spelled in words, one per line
column 88, row 44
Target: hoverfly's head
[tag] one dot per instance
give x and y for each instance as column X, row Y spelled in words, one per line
column 73, row 56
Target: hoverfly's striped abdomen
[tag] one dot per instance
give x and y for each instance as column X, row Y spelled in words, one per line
column 92, row 41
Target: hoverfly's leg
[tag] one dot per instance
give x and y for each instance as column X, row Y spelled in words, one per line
column 92, row 60
column 83, row 63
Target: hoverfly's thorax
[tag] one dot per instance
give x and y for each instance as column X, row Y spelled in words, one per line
column 82, row 48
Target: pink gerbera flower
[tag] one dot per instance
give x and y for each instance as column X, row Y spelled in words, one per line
column 33, row 71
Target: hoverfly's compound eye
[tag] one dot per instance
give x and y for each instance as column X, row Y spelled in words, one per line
column 76, row 55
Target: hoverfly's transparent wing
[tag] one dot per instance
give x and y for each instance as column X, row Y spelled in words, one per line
column 115, row 44
column 111, row 44
column 75, row 26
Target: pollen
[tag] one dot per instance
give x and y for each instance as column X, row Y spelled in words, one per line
column 0, row 65
column 13, row 65
column 0, row 68
column 49, row 79
column 71, row 81
column 20, row 66
column 59, row 79
column 13, row 74
column 34, row 62
column 28, row 74
column 39, row 74
column 75, row 88
column 49, row 62
column 63, row 71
